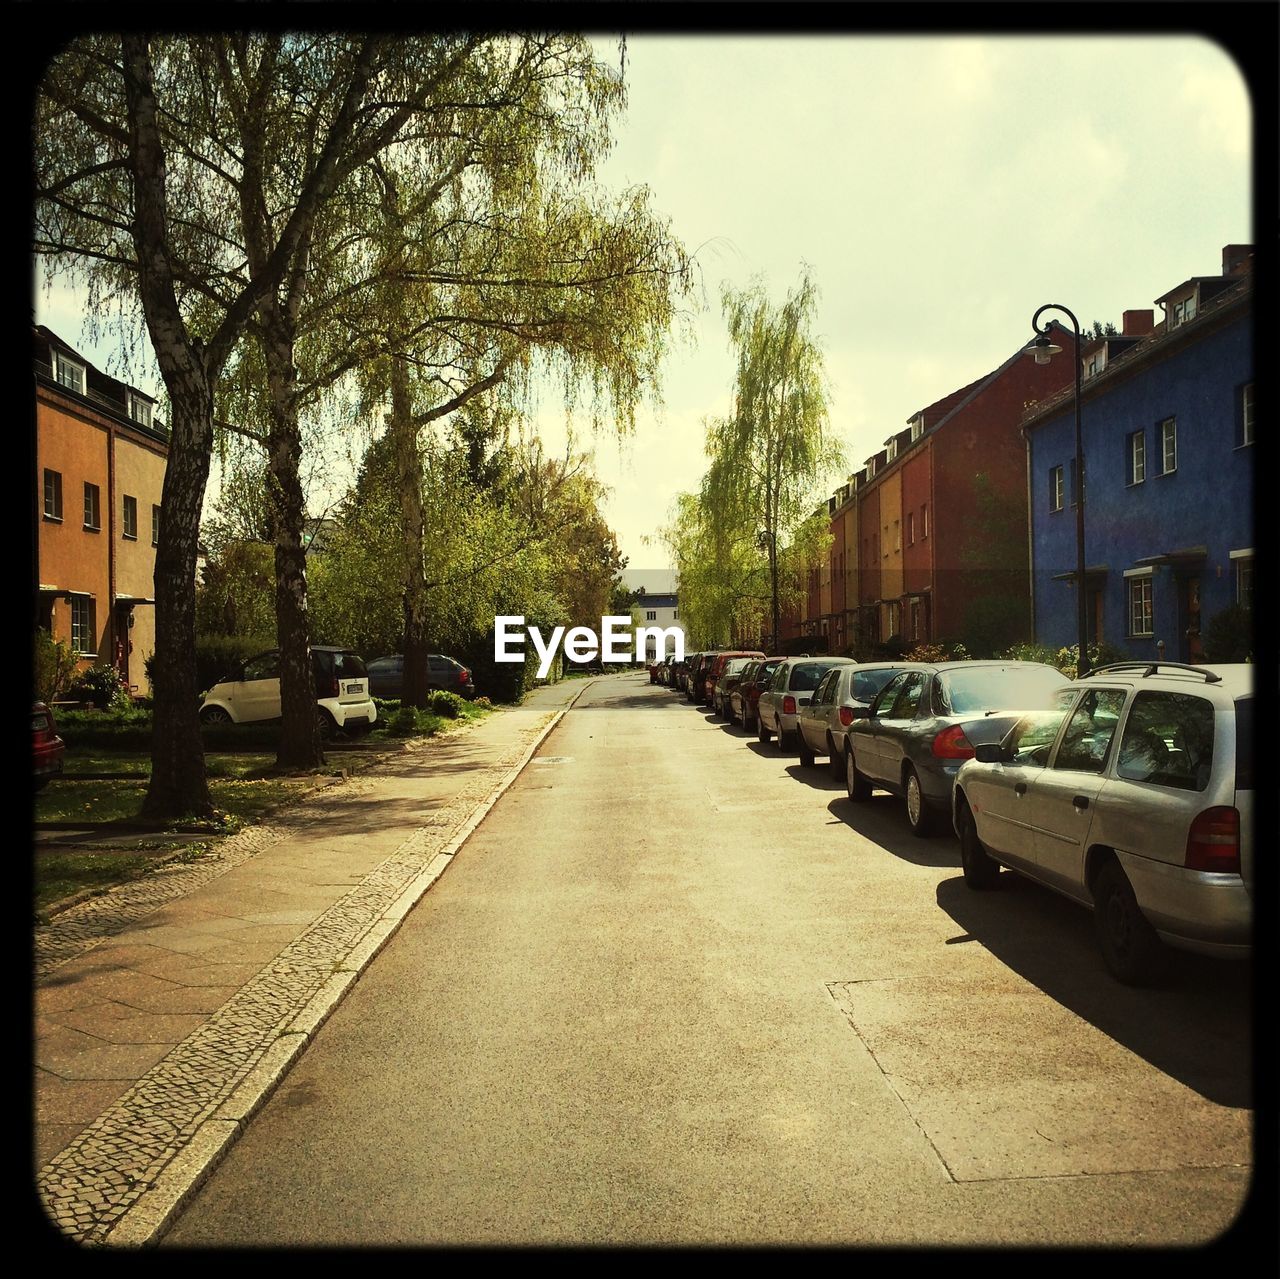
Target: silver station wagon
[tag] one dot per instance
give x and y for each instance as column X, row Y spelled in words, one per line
column 1133, row 796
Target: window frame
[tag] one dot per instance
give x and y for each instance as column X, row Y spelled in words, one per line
column 139, row 409
column 1057, row 488
column 1141, row 578
column 1241, row 569
column 1244, row 437
column 155, row 524
column 84, row 628
column 129, row 526
column 52, row 495
column 1168, row 428
column 63, row 361
column 1137, row 458
column 94, row 524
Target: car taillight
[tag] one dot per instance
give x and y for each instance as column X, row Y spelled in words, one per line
column 336, row 689
column 462, row 676
column 788, row 705
column 846, row 715
column 951, row 743
column 1213, row 843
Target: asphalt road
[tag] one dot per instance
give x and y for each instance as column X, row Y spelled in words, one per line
column 677, row 990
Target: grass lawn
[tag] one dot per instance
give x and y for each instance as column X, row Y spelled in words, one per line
column 60, row 875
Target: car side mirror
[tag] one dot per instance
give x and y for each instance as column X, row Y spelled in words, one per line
column 991, row 753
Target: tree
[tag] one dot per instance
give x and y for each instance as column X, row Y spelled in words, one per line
column 770, row 454
column 147, row 173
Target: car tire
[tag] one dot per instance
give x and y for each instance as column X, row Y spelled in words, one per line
column 762, row 733
column 325, row 722
column 919, row 814
column 806, row 755
column 981, row 870
column 1131, row 948
column 835, row 761
column 785, row 742
column 215, row 717
column 857, row 784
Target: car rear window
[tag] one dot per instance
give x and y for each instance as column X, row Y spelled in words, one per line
column 807, row 676
column 349, row 666
column 1168, row 741
column 736, row 665
column 999, row 688
column 866, row 684
column 1244, row 743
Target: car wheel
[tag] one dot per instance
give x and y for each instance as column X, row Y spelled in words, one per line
column 762, row 733
column 806, row 755
column 919, row 815
column 857, row 784
column 215, row 717
column 980, row 869
column 785, row 742
column 1131, row 949
column 834, row 760
column 326, row 724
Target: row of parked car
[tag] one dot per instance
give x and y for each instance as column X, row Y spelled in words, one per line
column 345, row 688
column 1129, row 790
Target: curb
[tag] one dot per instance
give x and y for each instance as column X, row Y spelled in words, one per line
column 147, row 1219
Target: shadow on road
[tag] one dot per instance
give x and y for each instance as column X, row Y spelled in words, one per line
column 883, row 820
column 1195, row 1026
column 819, row 777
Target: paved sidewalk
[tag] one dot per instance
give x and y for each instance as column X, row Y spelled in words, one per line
column 167, row 1009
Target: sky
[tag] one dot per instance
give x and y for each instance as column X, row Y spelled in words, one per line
column 940, row 189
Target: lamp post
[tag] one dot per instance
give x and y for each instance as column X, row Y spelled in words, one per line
column 1042, row 348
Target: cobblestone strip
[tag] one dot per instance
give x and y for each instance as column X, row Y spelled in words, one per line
column 89, row 1186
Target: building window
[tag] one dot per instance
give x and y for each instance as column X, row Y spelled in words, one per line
column 924, row 521
column 1140, row 613
column 1095, row 365
column 651, row 615
column 911, row 528
column 1184, row 311
column 1137, row 457
column 82, row 628
column 915, row 619
column 52, row 495
column 1168, row 446
column 1243, row 562
column 675, row 613
column 897, row 536
column 92, row 511
column 155, row 526
column 1055, row 488
column 139, row 409
column 892, row 447
column 917, row 427
column 1244, row 428
column 131, row 518
column 68, row 372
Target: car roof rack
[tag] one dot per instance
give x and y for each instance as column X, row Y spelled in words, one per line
column 1153, row 668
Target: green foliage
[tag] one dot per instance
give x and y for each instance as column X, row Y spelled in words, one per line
column 104, row 686
column 217, row 656
column 939, row 652
column 1066, row 658
column 1229, row 635
column 53, row 668
column 447, row 704
column 237, row 593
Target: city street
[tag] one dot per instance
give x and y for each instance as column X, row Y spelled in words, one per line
column 676, row 989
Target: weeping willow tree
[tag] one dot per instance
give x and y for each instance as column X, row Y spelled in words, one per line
column 769, row 455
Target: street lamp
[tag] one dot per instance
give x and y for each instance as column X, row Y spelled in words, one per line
column 1043, row 349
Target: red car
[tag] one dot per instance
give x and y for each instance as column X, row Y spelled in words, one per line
column 47, row 748
column 743, row 699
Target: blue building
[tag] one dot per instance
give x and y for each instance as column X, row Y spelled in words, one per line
column 1167, row 427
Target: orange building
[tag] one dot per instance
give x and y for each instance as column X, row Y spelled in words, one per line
column 100, row 462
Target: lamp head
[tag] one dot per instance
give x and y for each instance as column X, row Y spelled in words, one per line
column 1043, row 349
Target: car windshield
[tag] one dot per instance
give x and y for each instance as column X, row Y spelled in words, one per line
column 999, row 688
column 738, row 664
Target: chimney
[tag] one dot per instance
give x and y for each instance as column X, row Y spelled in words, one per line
column 1237, row 259
column 1137, row 324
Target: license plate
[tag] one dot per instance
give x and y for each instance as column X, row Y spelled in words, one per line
column 355, row 688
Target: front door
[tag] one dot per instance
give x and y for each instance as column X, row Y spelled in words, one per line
column 1189, row 618
column 120, row 641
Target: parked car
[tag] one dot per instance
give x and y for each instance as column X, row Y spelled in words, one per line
column 824, row 722
column 683, row 670
column 755, row 679
column 698, row 667
column 792, row 686
column 1134, row 797
column 726, row 682
column 716, row 667
column 928, row 719
column 386, row 676
column 48, row 750
column 250, row 694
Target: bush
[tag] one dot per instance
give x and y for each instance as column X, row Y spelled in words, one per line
column 104, row 687
column 1229, row 635
column 218, row 655
column 1066, row 658
column 446, row 704
column 940, row 652
column 53, row 669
